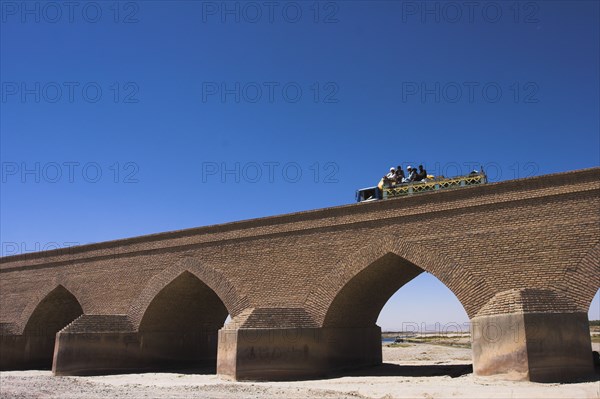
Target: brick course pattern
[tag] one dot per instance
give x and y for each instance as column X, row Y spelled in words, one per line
column 528, row 245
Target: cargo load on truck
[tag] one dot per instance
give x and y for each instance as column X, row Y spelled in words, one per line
column 389, row 189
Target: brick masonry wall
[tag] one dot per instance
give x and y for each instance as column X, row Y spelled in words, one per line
column 540, row 233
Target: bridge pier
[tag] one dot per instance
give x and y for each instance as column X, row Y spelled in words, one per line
column 295, row 353
column 22, row 352
column 109, row 344
column 540, row 347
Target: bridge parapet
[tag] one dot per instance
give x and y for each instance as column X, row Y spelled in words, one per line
column 427, row 203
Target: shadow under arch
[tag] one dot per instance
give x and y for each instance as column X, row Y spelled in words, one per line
column 185, row 303
column 375, row 272
column 207, row 275
column 178, row 316
column 34, row 348
column 39, row 297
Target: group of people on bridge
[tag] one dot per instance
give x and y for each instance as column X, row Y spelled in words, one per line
column 397, row 176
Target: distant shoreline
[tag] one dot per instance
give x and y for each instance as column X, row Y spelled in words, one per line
column 390, row 336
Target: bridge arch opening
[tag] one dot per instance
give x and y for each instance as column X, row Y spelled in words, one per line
column 57, row 309
column 361, row 299
column 594, row 308
column 368, row 297
column 180, row 326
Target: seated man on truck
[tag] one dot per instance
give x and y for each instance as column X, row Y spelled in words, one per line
column 390, row 178
column 400, row 177
column 421, row 175
column 412, row 174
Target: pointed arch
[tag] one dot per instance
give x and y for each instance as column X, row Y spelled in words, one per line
column 209, row 276
column 49, row 301
column 185, row 304
column 584, row 280
column 35, row 346
column 179, row 313
column 383, row 256
column 360, row 301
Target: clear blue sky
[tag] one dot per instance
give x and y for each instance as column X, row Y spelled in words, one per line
column 120, row 119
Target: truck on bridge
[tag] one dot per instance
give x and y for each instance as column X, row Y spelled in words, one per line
column 393, row 190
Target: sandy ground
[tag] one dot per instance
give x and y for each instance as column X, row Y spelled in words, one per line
column 413, row 371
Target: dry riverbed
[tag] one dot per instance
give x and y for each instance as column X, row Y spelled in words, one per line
column 410, row 371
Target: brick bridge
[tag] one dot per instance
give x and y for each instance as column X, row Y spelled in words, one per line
column 304, row 290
